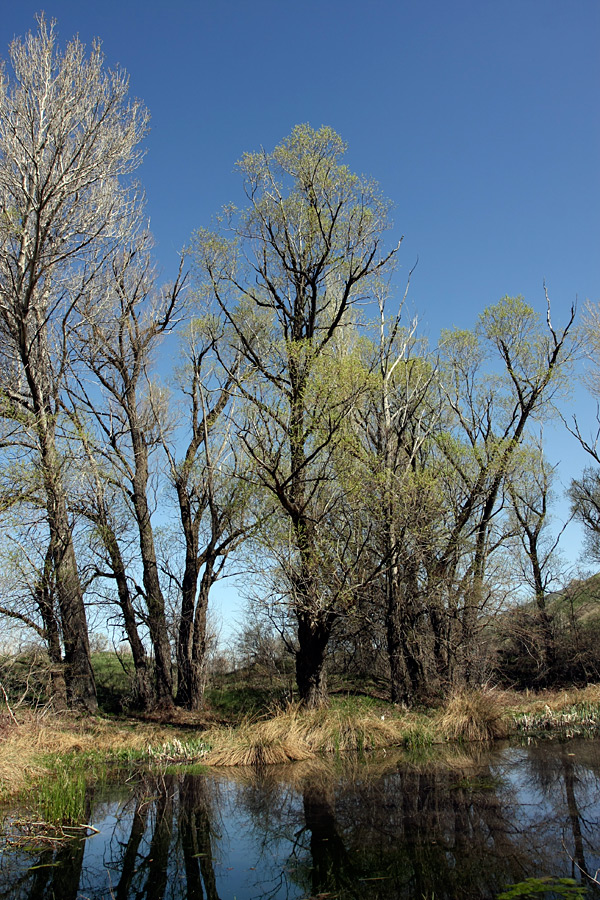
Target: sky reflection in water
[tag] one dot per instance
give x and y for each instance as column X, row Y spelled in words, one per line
column 464, row 825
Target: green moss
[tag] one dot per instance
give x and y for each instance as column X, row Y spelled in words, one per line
column 548, row 887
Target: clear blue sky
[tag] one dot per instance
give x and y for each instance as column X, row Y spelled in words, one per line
column 479, row 119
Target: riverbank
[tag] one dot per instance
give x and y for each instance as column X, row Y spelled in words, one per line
column 46, row 749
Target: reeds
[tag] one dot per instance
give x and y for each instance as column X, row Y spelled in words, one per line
column 60, row 796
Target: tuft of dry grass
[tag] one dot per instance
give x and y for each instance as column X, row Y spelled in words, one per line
column 257, row 744
column 474, row 715
column 296, row 734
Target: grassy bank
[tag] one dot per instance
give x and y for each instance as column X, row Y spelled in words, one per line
column 51, row 757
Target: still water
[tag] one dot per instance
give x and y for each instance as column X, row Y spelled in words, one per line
column 464, row 825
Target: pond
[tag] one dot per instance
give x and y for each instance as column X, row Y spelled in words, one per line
column 465, row 824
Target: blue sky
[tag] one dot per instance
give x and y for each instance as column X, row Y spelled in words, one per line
column 480, row 120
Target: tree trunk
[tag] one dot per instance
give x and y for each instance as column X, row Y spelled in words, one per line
column 189, row 586
column 44, row 597
column 155, row 602
column 142, row 689
column 192, row 661
column 545, row 619
column 198, row 659
column 79, row 675
column 311, row 675
column 404, row 669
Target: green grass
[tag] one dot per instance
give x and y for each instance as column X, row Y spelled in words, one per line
column 356, row 704
column 544, row 887
column 236, row 699
column 60, row 798
column 113, row 683
column 419, row 736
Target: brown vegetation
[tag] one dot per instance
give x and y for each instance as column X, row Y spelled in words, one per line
column 31, row 745
column 28, row 744
column 472, row 715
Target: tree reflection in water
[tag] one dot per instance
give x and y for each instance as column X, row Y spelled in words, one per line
column 465, row 826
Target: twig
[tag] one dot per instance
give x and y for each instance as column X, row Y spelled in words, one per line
column 10, row 712
column 595, row 879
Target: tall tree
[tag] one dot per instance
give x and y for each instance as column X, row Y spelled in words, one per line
column 584, row 491
column 490, row 410
column 118, row 336
column 296, row 264
column 68, row 136
column 212, row 499
column 395, row 420
column 530, row 496
column 441, row 451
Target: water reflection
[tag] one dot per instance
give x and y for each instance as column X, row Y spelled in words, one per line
column 465, row 826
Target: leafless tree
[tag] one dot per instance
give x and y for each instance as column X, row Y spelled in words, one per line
column 116, row 341
column 212, row 498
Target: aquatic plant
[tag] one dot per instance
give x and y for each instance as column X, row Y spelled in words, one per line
column 60, row 797
column 548, row 886
column 179, row 752
column 578, row 719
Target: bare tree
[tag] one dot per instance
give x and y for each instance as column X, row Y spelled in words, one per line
column 67, row 137
column 111, row 540
column 117, row 339
column 212, row 499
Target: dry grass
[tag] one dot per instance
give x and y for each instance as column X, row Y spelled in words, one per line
column 256, row 745
column 474, row 715
column 296, row 734
column 292, row 734
column 26, row 747
column 556, row 700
